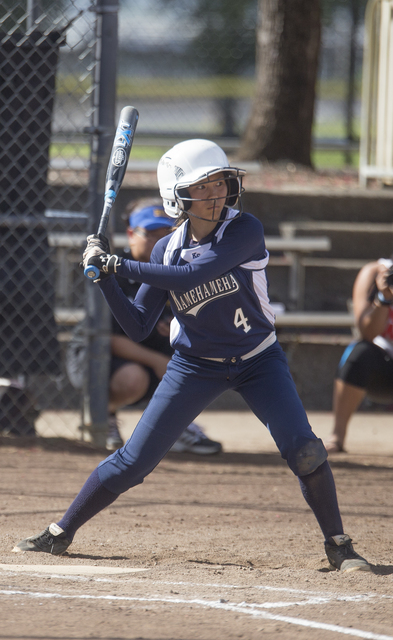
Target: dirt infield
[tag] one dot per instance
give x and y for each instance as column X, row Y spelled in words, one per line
column 212, row 548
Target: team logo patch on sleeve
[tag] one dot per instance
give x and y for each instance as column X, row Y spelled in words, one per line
column 192, row 301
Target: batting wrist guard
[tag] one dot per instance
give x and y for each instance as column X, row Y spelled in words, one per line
column 110, row 264
column 106, row 263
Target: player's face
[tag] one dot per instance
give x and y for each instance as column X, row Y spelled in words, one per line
column 142, row 241
column 208, row 197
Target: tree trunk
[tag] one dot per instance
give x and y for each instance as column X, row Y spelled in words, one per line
column 288, row 40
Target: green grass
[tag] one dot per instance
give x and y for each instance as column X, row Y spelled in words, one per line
column 148, row 153
column 336, row 89
column 334, row 160
column 69, row 150
column 192, row 87
column 335, row 129
column 321, row 159
column 164, row 88
column 213, row 88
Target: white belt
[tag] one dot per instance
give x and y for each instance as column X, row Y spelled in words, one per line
column 267, row 342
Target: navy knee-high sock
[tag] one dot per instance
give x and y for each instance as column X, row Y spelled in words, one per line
column 319, row 491
column 92, row 498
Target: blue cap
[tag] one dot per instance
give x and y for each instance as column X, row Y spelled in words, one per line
column 150, row 218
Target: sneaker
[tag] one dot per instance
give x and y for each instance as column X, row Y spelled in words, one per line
column 113, row 439
column 53, row 540
column 342, row 555
column 193, row 440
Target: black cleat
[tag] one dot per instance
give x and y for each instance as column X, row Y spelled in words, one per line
column 53, row 540
column 342, row 555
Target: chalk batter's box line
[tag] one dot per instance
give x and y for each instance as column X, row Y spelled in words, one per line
column 255, row 610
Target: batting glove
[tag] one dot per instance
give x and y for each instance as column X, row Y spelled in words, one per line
column 106, row 263
column 96, row 246
column 100, row 241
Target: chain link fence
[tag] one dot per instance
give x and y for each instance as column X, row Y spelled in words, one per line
column 338, row 104
column 189, row 69
column 46, row 108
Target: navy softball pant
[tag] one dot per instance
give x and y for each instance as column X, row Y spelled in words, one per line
column 188, row 387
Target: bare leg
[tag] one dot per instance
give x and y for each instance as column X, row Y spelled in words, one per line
column 127, row 385
column 346, row 400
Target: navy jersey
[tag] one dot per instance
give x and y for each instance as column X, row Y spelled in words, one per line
column 217, row 288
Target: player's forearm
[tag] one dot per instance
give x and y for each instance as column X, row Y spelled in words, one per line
column 158, row 275
column 371, row 315
column 212, row 265
column 372, row 322
column 213, row 262
column 136, row 321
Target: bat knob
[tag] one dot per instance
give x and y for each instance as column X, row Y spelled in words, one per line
column 91, row 272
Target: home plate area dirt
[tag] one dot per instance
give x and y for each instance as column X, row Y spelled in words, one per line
column 212, row 548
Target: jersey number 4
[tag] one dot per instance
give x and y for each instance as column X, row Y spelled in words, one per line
column 240, row 320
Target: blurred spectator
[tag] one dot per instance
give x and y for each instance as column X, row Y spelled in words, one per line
column 366, row 367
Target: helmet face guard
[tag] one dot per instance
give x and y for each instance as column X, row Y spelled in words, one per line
column 233, row 179
column 195, row 162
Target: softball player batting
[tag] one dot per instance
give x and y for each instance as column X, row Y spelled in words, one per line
column 212, row 268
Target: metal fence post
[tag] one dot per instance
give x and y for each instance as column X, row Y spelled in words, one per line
column 95, row 403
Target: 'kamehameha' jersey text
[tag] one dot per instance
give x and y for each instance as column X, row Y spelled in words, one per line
column 240, row 317
column 227, row 269
column 191, row 302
